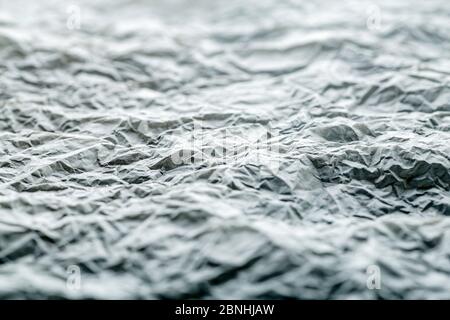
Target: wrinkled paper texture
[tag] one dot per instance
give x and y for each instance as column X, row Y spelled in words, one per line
column 224, row 149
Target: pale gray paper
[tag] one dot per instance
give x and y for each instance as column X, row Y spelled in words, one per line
column 96, row 96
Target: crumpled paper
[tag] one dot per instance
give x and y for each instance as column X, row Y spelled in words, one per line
column 224, row 149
